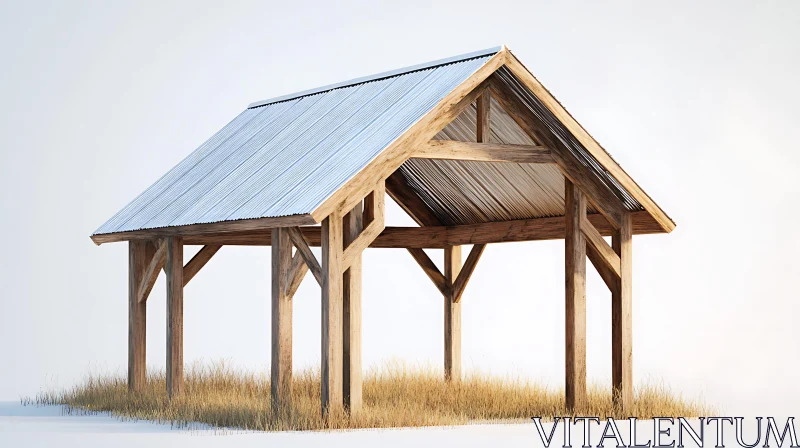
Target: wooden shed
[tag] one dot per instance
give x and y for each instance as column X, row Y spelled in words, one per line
column 472, row 147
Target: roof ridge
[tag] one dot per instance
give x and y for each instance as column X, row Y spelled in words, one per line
column 378, row 76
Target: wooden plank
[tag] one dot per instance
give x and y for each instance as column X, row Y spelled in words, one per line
column 483, row 126
column 430, row 269
column 609, row 277
column 352, row 379
column 452, row 316
column 174, row 265
column 198, row 261
column 137, row 316
column 304, row 250
column 374, row 222
column 242, row 225
column 420, row 132
column 408, row 200
column 605, row 253
column 466, row 271
column 281, row 355
column 603, row 199
column 588, row 142
column 439, row 237
column 622, row 322
column 150, row 274
column 331, row 370
column 483, row 152
column 296, row 273
column 575, row 305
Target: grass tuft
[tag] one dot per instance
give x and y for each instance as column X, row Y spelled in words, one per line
column 395, row 395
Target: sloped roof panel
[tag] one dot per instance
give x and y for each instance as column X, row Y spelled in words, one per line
column 287, row 156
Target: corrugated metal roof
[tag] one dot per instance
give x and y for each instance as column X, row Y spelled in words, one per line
column 287, row 155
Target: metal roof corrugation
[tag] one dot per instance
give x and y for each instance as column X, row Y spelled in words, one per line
column 287, row 157
column 461, row 192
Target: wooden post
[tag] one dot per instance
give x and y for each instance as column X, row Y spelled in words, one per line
column 621, row 320
column 452, row 316
column 281, row 377
column 137, row 315
column 575, row 304
column 331, row 371
column 352, row 374
column 174, row 270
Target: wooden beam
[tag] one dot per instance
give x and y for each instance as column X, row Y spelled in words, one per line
column 331, row 369
column 304, row 250
column 150, row 274
column 137, row 316
column 622, row 322
column 296, row 273
column 430, row 269
column 604, row 200
column 609, row 277
column 281, row 365
column 174, row 264
column 482, row 118
column 198, row 261
column 575, row 306
column 408, row 200
column 439, row 237
column 374, row 222
column 242, row 225
column 588, row 142
column 605, row 253
column 483, row 152
column 423, row 130
column 452, row 316
column 466, row 271
column 352, row 380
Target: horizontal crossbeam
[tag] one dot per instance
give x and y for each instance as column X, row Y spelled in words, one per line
column 438, row 237
column 483, row 152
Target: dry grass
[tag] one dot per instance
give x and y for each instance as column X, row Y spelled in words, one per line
column 394, row 396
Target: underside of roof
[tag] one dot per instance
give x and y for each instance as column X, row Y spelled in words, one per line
column 287, row 155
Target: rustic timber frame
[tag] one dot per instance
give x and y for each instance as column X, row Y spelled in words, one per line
column 352, row 219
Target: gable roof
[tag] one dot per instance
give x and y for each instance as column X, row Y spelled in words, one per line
column 289, row 155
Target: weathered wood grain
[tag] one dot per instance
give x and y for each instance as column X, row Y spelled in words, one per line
column 281, row 354
column 452, row 316
column 150, row 274
column 430, row 269
column 575, row 304
column 304, row 250
column 198, row 261
column 622, row 321
column 352, row 377
column 138, row 259
column 331, row 370
column 466, row 271
column 483, row 152
column 174, row 265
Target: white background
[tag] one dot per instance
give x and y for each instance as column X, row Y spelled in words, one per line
column 698, row 102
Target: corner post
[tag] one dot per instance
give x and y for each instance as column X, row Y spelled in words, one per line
column 281, row 373
column 332, row 297
column 138, row 258
column 351, row 285
column 174, row 271
column 452, row 316
column 622, row 320
column 575, row 304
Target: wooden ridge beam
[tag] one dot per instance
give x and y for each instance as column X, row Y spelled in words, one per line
column 430, row 269
column 150, row 273
column 439, row 237
column 483, row 152
column 466, row 271
column 299, row 242
column 198, row 261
